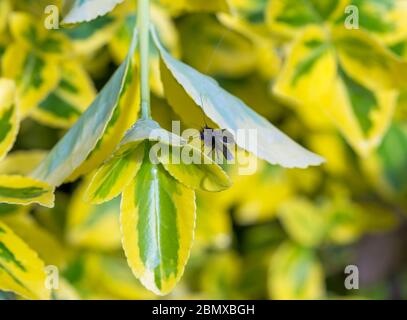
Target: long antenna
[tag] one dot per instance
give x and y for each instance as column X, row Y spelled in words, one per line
column 203, row 113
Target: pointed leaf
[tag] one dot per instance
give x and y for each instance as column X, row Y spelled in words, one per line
column 9, row 122
column 158, row 219
column 229, row 112
column 289, row 17
column 295, row 273
column 21, row 162
column 90, row 131
column 110, row 180
column 199, row 173
column 87, row 224
column 361, row 114
column 366, row 60
column 41, row 240
column 24, row 190
column 125, row 114
column 21, row 271
column 35, row 76
column 187, row 163
column 62, row 107
column 87, row 10
column 303, row 221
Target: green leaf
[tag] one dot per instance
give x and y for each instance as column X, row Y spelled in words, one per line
column 185, row 85
column 115, row 175
column 21, row 271
column 234, row 56
column 9, row 122
column 201, row 173
column 39, row 239
column 343, row 98
column 295, row 273
column 62, row 107
column 150, row 130
column 368, row 61
column 35, row 76
column 24, row 190
column 87, row 223
column 158, row 221
column 304, row 222
column 75, row 147
column 196, row 5
column 87, row 10
column 289, row 17
column 187, row 163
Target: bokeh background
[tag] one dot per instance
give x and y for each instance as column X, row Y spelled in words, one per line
column 278, row 233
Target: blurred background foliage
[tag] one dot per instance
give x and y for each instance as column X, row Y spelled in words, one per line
column 275, row 234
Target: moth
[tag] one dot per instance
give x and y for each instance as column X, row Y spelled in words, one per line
column 218, row 141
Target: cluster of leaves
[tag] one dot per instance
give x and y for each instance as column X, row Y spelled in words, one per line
column 276, row 233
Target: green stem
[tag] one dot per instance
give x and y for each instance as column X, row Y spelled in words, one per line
column 144, row 48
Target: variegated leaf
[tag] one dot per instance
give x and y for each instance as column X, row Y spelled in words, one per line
column 34, row 75
column 385, row 168
column 289, row 260
column 50, row 44
column 186, row 162
column 24, row 190
column 368, row 61
column 87, row 10
column 9, row 122
column 201, row 173
column 87, row 224
column 362, row 115
column 165, row 27
column 96, row 133
column 289, row 17
column 234, row 55
column 63, row 106
column 89, row 37
column 21, row 271
column 186, row 87
column 21, row 162
column 110, row 180
column 178, row 6
column 158, row 221
column 41, row 240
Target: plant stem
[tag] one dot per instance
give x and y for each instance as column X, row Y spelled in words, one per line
column 144, row 48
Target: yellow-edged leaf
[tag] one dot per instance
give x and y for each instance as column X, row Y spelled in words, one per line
column 158, row 220
column 87, row 10
column 110, row 180
column 63, row 106
column 222, row 52
column 362, row 115
column 49, row 249
column 295, row 274
column 93, row 226
column 21, row 162
column 34, row 37
column 366, row 60
column 303, row 221
column 24, row 190
column 9, row 122
column 186, row 88
column 21, row 271
column 35, row 76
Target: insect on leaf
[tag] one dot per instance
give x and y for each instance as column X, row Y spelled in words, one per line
column 229, row 112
